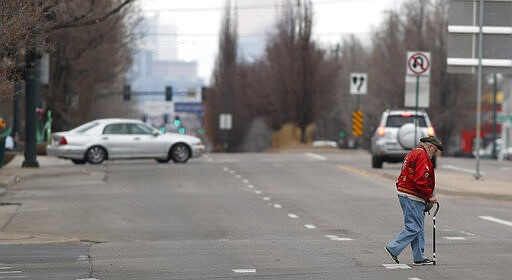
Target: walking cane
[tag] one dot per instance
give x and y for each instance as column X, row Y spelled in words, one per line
column 434, row 234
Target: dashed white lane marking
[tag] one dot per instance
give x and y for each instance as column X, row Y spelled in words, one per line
column 250, row 186
column 266, row 198
column 293, row 216
column 454, row 238
column 11, row 271
column 238, row 176
column 278, row 206
column 496, row 220
column 308, row 226
column 257, row 192
column 246, row 181
column 396, row 266
column 337, row 238
column 232, row 171
column 414, row 278
column 88, row 279
column 244, row 270
column 315, row 156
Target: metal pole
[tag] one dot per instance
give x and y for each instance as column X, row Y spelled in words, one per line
column 416, row 116
column 32, row 86
column 494, row 109
column 479, row 91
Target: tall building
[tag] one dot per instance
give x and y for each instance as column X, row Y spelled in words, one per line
column 255, row 19
column 160, row 37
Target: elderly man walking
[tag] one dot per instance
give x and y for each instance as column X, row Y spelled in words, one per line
column 415, row 189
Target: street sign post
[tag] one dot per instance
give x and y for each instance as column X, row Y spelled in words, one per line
column 418, row 68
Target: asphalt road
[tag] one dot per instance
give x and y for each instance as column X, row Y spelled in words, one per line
column 260, row 216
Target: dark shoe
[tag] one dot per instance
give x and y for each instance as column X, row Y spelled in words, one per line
column 424, row 262
column 395, row 259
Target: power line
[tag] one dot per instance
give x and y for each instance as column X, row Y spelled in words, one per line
column 247, row 7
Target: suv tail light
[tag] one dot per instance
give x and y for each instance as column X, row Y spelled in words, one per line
column 381, row 131
column 431, row 131
column 63, row 141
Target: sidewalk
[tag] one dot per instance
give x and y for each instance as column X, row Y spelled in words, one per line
column 11, row 174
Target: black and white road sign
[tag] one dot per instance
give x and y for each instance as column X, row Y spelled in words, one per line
column 418, row 63
column 358, row 83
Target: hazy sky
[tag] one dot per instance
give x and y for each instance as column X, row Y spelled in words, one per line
column 198, row 22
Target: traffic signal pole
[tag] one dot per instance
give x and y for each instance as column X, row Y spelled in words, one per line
column 32, row 74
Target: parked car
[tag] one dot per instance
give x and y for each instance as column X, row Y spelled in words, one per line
column 395, row 136
column 106, row 139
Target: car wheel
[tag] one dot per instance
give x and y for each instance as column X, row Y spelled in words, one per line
column 180, row 153
column 79, row 161
column 96, row 155
column 376, row 162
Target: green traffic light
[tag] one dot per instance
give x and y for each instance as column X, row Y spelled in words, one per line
column 162, row 129
column 181, row 130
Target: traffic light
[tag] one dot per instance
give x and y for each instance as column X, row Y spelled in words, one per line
column 168, row 93
column 177, row 121
column 127, row 92
column 181, row 130
column 203, row 93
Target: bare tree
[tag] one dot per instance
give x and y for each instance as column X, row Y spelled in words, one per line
column 222, row 98
column 301, row 75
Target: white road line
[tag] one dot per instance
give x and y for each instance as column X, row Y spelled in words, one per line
column 315, row 156
column 396, row 266
column 250, row 186
column 258, row 192
column 244, row 270
column 278, row 206
column 266, row 198
column 246, row 181
column 467, row 233
column 310, row 226
column 454, row 238
column 414, row 278
column 337, row 238
column 238, row 176
column 8, row 272
column 496, row 220
column 293, row 216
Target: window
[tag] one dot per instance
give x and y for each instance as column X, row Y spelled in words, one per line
column 399, row 120
column 117, row 128
column 136, row 128
column 83, row 128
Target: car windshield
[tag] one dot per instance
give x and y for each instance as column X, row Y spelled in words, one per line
column 83, row 128
column 399, row 120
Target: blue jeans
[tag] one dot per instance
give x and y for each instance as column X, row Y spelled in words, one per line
column 413, row 233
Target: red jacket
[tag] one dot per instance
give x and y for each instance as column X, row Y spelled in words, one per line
column 417, row 176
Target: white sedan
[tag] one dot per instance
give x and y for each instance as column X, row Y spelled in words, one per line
column 105, row 139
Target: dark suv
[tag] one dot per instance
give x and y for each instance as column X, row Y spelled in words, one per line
column 395, row 136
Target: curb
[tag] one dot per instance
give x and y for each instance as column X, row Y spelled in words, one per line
column 443, row 189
